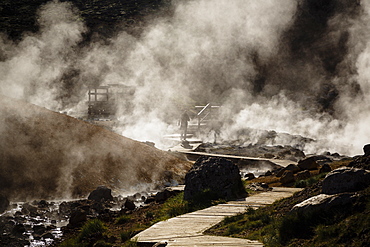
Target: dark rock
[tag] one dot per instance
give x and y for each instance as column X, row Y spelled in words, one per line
column 98, row 207
column 164, row 195
column 268, row 156
column 362, row 162
column 101, row 193
column 29, row 209
column 308, row 164
column 129, row 204
column 249, row 176
column 345, row 180
column 149, row 199
column 4, row 204
column 367, row 150
column 43, row 204
column 64, row 208
column 325, row 168
column 137, row 196
column 18, row 230
column 39, row 229
column 78, row 216
column 280, row 172
column 293, row 168
column 303, row 175
column 324, row 203
column 268, row 173
column 287, row 177
column 259, row 187
column 47, row 235
column 218, row 176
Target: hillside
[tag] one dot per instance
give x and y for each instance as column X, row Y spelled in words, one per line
column 45, row 154
column 101, row 16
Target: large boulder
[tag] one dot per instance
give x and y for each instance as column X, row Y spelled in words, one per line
column 324, row 203
column 308, row 164
column 101, row 193
column 4, row 203
column 345, row 179
column 218, row 176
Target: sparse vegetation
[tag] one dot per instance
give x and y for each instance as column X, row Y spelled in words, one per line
column 123, row 219
column 310, row 181
column 127, row 226
column 276, row 226
column 93, row 229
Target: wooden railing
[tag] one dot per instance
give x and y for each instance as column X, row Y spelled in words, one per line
column 203, row 114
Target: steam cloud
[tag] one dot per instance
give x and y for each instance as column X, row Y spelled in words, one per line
column 291, row 66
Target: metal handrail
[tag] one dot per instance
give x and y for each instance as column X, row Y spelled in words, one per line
column 204, row 108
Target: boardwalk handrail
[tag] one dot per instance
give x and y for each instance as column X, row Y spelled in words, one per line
column 204, row 108
column 203, row 112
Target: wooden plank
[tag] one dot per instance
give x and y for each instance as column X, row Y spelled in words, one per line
column 187, row 229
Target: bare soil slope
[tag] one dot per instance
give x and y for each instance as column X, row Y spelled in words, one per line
column 44, row 154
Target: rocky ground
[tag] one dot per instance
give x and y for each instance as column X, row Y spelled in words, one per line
column 40, row 222
column 48, row 222
column 332, row 210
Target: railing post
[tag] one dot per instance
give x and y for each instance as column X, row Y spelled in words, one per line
column 198, row 126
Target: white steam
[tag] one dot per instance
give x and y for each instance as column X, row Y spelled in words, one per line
column 205, row 52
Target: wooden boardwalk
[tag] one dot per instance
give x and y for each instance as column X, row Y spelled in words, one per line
column 187, row 229
column 189, row 151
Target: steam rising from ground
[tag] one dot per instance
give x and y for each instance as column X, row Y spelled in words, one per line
column 290, row 66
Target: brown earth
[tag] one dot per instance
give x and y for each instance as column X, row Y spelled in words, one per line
column 48, row 155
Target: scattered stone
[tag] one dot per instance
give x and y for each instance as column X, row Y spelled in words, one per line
column 47, row 235
column 149, row 199
column 220, row 176
column 280, row 172
column 362, row 162
column 29, row 209
column 39, row 229
column 293, row 168
column 101, row 193
column 4, row 204
column 18, row 230
column 367, row 150
column 78, row 217
column 287, row 177
column 308, row 164
column 325, row 168
column 164, row 195
column 249, row 176
column 129, row 204
column 137, row 196
column 324, row 203
column 259, row 187
column 345, row 180
column 268, row 173
column 268, row 156
column 303, row 175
